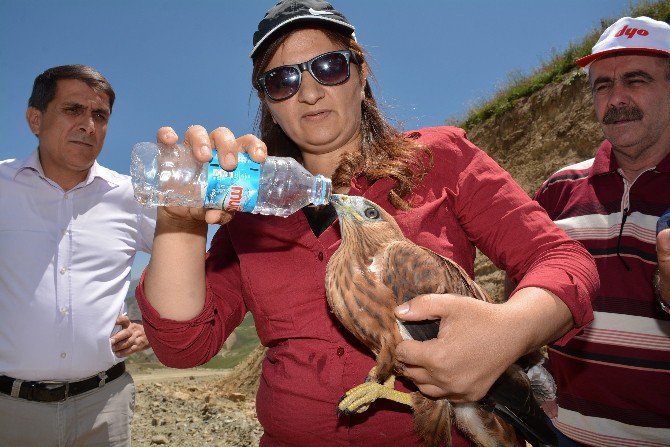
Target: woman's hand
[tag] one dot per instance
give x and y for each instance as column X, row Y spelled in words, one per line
column 467, row 356
column 201, row 143
column 477, row 341
column 174, row 283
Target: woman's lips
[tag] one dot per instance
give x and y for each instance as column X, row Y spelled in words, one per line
column 316, row 115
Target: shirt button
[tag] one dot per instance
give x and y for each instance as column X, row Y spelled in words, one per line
column 63, row 310
column 63, row 270
column 63, row 355
column 340, row 351
column 320, row 256
column 65, row 196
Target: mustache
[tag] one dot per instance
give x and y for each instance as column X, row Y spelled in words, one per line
column 616, row 114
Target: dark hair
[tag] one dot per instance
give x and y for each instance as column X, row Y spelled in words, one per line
column 384, row 153
column 44, row 87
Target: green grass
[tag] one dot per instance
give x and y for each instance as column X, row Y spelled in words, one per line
column 247, row 340
column 555, row 70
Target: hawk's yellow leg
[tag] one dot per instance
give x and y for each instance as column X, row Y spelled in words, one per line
column 359, row 398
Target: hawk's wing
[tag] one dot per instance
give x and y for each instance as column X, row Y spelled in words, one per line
column 410, row 270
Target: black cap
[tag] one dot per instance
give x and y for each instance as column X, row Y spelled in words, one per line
column 289, row 12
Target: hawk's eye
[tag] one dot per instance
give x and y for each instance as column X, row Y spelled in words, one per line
column 371, row 213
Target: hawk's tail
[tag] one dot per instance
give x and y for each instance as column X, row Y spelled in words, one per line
column 432, row 419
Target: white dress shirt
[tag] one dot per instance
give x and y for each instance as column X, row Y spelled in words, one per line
column 65, row 260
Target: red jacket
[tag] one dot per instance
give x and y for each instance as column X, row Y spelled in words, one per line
column 275, row 268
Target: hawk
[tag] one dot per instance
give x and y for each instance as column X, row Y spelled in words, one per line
column 377, row 268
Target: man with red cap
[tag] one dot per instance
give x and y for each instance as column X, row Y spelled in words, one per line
column 614, row 379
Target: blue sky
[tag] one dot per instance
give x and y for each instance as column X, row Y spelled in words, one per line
column 183, row 62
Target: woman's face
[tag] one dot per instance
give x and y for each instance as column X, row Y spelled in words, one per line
column 320, row 119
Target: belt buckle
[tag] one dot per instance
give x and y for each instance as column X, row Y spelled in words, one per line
column 50, row 388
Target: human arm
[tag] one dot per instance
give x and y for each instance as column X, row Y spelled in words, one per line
column 186, row 319
column 174, row 281
column 503, row 333
column 130, row 339
column 555, row 276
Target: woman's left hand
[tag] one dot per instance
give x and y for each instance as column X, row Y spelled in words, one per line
column 477, row 341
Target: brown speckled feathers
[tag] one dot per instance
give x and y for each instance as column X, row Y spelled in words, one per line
column 375, row 269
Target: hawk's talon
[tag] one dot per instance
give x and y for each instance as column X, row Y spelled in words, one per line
column 359, row 398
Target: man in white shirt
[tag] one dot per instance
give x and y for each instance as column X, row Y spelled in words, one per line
column 69, row 231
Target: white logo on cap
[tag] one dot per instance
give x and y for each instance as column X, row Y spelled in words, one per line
column 314, row 12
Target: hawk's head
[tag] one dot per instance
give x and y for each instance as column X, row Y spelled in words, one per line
column 362, row 219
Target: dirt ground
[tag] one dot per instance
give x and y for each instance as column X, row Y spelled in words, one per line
column 192, row 408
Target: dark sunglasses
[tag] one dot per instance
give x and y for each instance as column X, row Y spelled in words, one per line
column 327, row 69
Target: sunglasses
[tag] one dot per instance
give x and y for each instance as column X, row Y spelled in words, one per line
column 327, row 69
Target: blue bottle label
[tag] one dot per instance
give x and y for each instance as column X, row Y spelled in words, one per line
column 233, row 190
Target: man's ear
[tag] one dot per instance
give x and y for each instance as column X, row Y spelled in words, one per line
column 34, row 118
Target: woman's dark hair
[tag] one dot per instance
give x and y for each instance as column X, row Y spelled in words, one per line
column 44, row 87
column 385, row 153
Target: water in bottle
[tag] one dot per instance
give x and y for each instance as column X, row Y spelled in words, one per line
column 170, row 176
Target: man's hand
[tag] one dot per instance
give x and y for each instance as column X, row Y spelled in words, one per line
column 663, row 252
column 130, row 339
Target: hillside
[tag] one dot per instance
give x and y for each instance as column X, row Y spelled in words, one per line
column 552, row 128
column 236, row 348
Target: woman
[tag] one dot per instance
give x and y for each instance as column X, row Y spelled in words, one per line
column 317, row 106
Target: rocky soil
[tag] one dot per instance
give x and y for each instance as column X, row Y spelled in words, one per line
column 196, row 408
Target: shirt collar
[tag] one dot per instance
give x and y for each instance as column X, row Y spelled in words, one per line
column 664, row 165
column 605, row 162
column 32, row 162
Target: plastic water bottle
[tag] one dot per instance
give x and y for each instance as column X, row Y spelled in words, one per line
column 170, row 176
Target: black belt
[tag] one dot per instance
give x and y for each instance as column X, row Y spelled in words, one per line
column 58, row 391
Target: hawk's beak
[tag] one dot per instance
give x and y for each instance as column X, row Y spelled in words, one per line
column 343, row 207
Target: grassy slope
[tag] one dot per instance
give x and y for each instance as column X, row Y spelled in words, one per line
column 555, row 70
column 246, row 341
